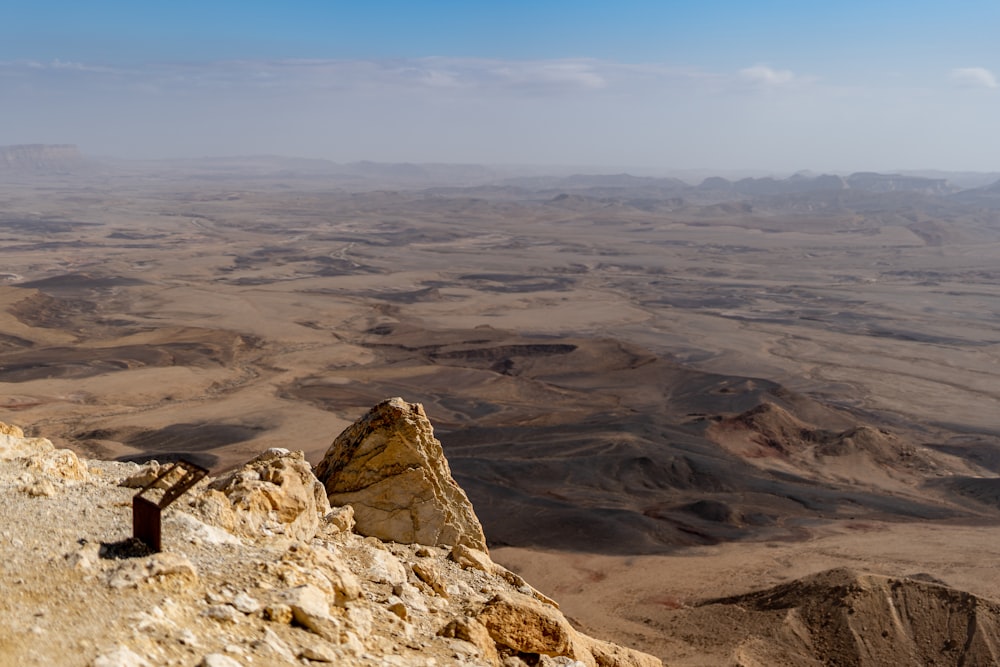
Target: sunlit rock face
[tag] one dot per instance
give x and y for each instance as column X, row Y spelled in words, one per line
column 389, row 466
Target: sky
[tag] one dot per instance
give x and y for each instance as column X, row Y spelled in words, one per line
column 711, row 84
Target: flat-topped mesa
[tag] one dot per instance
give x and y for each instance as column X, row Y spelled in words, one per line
column 392, row 470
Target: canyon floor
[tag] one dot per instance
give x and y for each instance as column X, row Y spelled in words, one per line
column 654, row 395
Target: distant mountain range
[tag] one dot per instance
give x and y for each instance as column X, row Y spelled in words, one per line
column 66, row 158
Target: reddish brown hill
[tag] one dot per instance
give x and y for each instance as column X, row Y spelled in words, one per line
column 842, row 617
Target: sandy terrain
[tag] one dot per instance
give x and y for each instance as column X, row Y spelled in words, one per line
column 591, row 362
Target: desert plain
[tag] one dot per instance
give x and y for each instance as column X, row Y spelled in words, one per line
column 657, row 395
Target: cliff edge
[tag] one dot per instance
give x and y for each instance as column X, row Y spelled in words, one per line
column 257, row 568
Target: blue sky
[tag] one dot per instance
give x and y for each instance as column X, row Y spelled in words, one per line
column 775, row 85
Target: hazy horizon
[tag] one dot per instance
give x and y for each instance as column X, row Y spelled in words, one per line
column 776, row 87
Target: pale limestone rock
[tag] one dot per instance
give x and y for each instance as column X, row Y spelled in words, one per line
column 518, row 582
column 380, row 566
column 272, row 646
column 187, row 638
column 429, row 573
column 397, row 606
column 318, row 650
column 40, row 455
column 18, row 447
column 341, row 519
column 152, row 621
column 474, row 632
column 11, row 429
column 596, row 653
column 273, row 493
column 198, row 531
column 360, row 620
column 245, row 604
column 558, row 661
column 121, row 656
column 221, row 612
column 409, row 594
column 391, row 469
column 302, row 564
column 39, row 488
column 214, row 509
column 311, row 610
column 467, row 557
column 527, row 626
column 133, row 572
column 278, row 613
column 218, row 660
column 85, row 557
column 351, row 644
column 146, row 474
column 59, row 463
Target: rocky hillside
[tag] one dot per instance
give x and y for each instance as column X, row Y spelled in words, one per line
column 257, row 568
column 843, row 617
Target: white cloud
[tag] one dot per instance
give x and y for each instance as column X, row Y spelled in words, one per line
column 767, row 76
column 977, row 77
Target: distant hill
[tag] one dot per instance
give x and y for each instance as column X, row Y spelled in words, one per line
column 805, row 183
column 873, row 182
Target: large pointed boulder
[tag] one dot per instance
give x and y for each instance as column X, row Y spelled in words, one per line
column 389, row 466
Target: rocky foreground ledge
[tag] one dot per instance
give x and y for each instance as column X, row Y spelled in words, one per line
column 259, row 569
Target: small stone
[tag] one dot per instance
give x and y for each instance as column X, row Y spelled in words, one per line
column 360, row 620
column 429, row 573
column 341, row 518
column 311, row 610
column 472, row 631
column 350, row 644
column 120, row 657
column 411, row 596
column 199, row 532
column 85, row 557
column 468, row 557
column 11, row 430
column 271, row 645
column 513, row 661
column 171, row 564
column 278, row 613
column 319, row 651
column 152, row 621
column 40, row 489
column 246, row 604
column 398, row 607
column 134, row 572
column 187, row 638
column 221, row 612
column 218, row 660
column 526, row 625
column 146, row 474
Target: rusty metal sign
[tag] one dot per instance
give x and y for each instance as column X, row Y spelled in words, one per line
column 146, row 512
